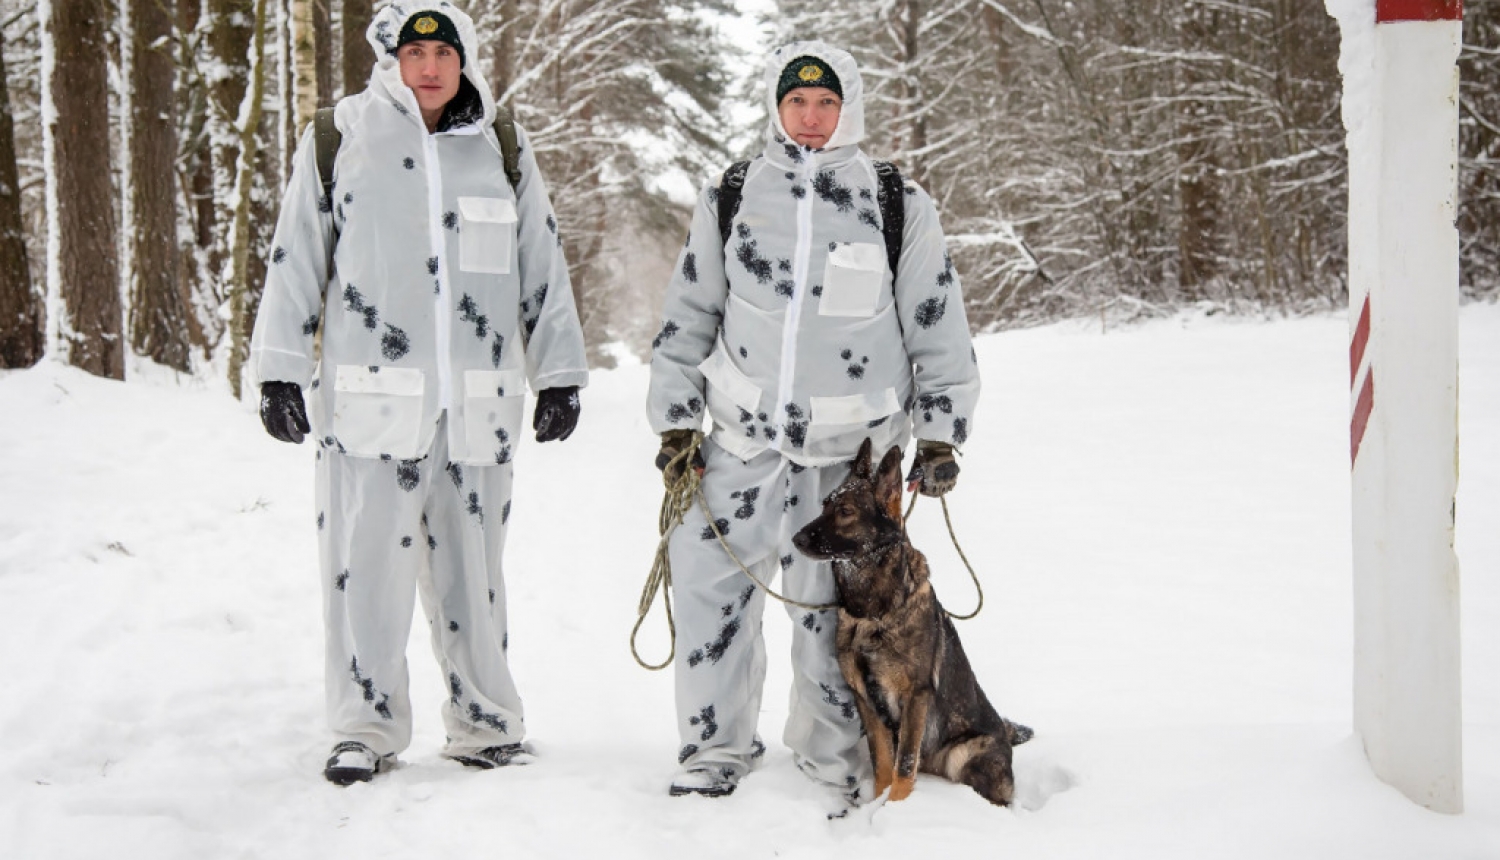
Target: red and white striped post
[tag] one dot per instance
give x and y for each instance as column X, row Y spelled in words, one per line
column 1403, row 289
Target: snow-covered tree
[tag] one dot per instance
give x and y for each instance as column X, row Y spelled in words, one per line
column 158, row 306
column 355, row 51
column 85, row 321
column 1479, row 149
column 1155, row 153
column 20, row 309
column 304, row 55
column 614, row 93
column 245, row 281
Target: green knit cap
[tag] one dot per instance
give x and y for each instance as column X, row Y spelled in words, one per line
column 435, row 26
column 807, row 72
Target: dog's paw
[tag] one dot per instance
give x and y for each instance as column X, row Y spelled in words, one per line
column 902, row 787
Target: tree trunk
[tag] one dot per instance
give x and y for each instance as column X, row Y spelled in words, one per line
column 83, row 243
column 229, row 36
column 304, row 61
column 241, row 301
column 504, row 53
column 358, row 58
column 289, row 131
column 1198, row 194
column 914, row 133
column 158, row 314
column 322, row 22
column 195, row 179
column 20, row 311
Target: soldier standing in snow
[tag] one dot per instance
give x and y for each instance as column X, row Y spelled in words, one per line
column 788, row 327
column 440, row 291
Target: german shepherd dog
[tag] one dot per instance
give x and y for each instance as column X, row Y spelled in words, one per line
column 898, row 650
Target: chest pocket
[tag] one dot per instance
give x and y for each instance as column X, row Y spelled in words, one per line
column 852, row 278
column 487, row 234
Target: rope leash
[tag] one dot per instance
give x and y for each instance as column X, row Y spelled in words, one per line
column 978, row 588
column 813, row 607
column 675, row 503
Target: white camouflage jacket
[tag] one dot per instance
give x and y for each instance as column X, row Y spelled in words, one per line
column 436, row 286
column 795, row 337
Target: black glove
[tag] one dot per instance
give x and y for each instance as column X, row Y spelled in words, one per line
column 674, row 442
column 934, row 471
column 283, row 412
column 556, row 413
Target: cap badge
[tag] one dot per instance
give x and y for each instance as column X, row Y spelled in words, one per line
column 425, row 26
column 810, row 73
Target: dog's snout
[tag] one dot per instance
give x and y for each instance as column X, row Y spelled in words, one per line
column 801, row 541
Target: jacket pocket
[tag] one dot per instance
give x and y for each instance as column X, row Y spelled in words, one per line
column 729, row 381
column 839, row 424
column 733, row 398
column 494, row 402
column 378, row 410
column 852, row 278
column 487, row 234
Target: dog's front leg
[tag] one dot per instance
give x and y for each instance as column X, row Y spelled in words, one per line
column 882, row 744
column 877, row 733
column 909, row 742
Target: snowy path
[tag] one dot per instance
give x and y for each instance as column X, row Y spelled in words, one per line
column 1160, row 516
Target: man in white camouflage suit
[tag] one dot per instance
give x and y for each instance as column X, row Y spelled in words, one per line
column 799, row 336
column 440, row 291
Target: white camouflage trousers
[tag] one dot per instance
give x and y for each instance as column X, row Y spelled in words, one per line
column 721, row 656
column 385, row 528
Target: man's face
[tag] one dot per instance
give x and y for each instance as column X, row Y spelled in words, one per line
column 431, row 68
column 810, row 114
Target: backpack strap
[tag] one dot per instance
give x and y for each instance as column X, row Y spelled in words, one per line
column 891, row 195
column 510, row 148
column 326, row 138
column 731, row 188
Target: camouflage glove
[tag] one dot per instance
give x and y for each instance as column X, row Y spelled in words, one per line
column 556, row 413
column 674, row 442
column 934, row 471
column 282, row 411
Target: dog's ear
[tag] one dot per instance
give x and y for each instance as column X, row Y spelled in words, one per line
column 861, row 466
column 888, row 483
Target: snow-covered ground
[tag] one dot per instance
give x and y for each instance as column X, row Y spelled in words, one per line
column 1160, row 516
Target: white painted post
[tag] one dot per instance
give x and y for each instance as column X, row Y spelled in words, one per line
column 1403, row 289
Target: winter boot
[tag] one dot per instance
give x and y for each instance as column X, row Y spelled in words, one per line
column 705, row 781
column 353, row 762
column 490, row 758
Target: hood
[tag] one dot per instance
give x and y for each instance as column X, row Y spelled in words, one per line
column 851, row 127
column 385, row 29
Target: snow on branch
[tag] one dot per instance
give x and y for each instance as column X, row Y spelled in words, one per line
column 1031, row 30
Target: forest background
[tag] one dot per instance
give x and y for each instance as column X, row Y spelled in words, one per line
column 1088, row 157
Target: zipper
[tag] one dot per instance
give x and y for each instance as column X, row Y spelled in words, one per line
column 444, row 325
column 793, row 320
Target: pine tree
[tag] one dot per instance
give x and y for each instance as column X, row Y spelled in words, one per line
column 158, row 309
column 588, row 79
column 82, row 249
column 358, row 59
column 244, row 280
column 1479, row 149
column 20, row 311
column 196, row 177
